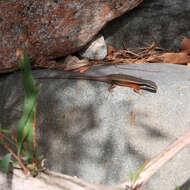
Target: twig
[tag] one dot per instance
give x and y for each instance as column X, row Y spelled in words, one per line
column 6, row 146
column 158, row 161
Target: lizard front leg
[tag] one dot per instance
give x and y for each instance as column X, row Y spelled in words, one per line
column 111, row 87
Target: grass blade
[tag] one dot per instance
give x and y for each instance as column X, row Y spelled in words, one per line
column 5, row 162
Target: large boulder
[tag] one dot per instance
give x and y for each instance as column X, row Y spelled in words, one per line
column 50, row 29
column 85, row 131
column 165, row 22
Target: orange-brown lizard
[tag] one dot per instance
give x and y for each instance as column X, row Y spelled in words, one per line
column 115, row 79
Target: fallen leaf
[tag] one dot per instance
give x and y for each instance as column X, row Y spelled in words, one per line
column 185, row 44
column 175, row 58
column 83, row 69
column 19, row 54
column 73, row 63
column 111, row 49
column 154, row 59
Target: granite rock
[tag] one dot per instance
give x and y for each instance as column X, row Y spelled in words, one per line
column 96, row 50
column 85, row 131
column 49, row 29
column 165, row 22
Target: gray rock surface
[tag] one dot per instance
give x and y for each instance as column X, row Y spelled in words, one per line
column 165, row 21
column 96, row 50
column 85, row 131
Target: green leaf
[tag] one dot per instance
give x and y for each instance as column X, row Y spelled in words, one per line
column 5, row 131
column 4, row 163
column 131, row 176
column 139, row 171
column 27, row 156
column 25, row 128
column 33, row 168
column 15, row 164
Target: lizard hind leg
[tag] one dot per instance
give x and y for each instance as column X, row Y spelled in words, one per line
column 137, row 91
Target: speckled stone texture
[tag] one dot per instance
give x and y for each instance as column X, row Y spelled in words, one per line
column 49, row 29
column 85, row 131
column 164, row 21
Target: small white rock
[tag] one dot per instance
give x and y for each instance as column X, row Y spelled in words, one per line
column 96, row 50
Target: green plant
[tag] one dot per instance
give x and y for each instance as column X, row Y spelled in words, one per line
column 24, row 139
column 4, row 162
column 134, row 177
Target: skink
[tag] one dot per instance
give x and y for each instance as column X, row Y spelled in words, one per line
column 115, row 79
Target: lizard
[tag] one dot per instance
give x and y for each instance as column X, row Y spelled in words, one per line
column 115, row 79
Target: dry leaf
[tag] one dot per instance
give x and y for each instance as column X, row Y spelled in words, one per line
column 154, row 59
column 19, row 54
column 73, row 63
column 111, row 49
column 185, row 44
column 175, row 58
column 83, row 69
